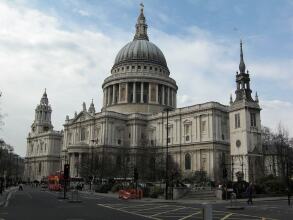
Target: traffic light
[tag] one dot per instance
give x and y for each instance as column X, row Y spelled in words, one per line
column 66, row 171
column 135, row 174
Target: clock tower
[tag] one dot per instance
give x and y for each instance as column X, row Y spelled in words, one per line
column 245, row 128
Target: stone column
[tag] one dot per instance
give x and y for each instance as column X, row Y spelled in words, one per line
column 168, row 96
column 119, row 92
column 70, row 163
column 150, row 95
column 79, row 163
column 126, row 93
column 157, row 93
column 114, row 91
column 109, row 95
column 163, row 94
column 134, row 93
column 141, row 92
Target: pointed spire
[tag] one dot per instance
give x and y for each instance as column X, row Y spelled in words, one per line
column 141, row 26
column 256, row 97
column 242, row 64
column 92, row 109
column 231, row 99
column 44, row 99
column 84, row 107
column 75, row 114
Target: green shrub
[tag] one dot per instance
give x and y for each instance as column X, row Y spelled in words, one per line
column 103, row 188
column 155, row 192
column 116, row 187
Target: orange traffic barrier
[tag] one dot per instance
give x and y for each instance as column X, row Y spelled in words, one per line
column 130, row 194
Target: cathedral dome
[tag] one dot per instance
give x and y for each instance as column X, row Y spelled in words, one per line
column 140, row 79
column 140, row 50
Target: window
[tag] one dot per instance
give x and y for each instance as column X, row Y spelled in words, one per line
column 82, row 134
column 187, row 161
column 203, row 126
column 138, row 67
column 144, row 67
column 151, row 67
column 40, row 167
column 252, row 120
column 156, row 69
column 133, row 67
column 118, row 162
column 122, row 68
column 119, row 141
column 127, row 67
column 187, row 132
column 237, row 120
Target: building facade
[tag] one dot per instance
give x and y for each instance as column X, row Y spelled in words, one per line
column 140, row 124
column 140, row 97
column 43, row 144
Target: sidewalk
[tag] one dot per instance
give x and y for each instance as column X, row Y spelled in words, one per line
column 4, row 196
column 185, row 201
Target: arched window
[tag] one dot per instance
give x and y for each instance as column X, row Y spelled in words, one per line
column 187, row 161
column 118, row 162
column 40, row 167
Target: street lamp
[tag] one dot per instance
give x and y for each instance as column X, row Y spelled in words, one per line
column 167, row 153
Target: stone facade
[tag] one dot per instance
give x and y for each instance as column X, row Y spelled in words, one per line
column 43, row 144
column 201, row 137
column 139, row 98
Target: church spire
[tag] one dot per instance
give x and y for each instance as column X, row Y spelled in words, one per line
column 241, row 64
column 44, row 99
column 141, row 26
column 243, row 90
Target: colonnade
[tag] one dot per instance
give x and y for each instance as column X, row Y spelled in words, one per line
column 139, row 92
column 75, row 161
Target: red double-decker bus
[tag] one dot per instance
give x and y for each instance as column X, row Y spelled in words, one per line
column 56, row 182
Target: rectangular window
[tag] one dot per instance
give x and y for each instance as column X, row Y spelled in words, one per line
column 237, row 120
column 252, row 120
column 203, row 126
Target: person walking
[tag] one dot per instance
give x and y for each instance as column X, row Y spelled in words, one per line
column 249, row 192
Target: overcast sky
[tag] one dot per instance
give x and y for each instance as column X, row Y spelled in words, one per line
column 69, row 46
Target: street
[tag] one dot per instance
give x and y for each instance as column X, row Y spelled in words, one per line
column 34, row 204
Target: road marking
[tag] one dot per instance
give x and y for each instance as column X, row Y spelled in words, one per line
column 188, row 216
column 227, row 216
column 157, row 207
column 168, row 211
column 133, row 213
column 134, row 206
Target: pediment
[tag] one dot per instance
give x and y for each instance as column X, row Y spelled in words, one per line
column 82, row 116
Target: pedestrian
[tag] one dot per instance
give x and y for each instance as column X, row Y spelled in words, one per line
column 20, row 187
column 249, row 192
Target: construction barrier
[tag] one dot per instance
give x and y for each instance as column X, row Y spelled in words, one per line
column 130, row 194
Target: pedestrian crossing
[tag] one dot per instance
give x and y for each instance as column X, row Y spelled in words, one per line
column 161, row 211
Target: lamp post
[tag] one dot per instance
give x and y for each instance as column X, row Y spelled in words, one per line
column 167, row 154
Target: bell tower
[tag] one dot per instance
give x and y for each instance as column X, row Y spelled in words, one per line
column 245, row 128
column 42, row 122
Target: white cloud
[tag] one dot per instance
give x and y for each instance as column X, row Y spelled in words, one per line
column 36, row 52
column 275, row 112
